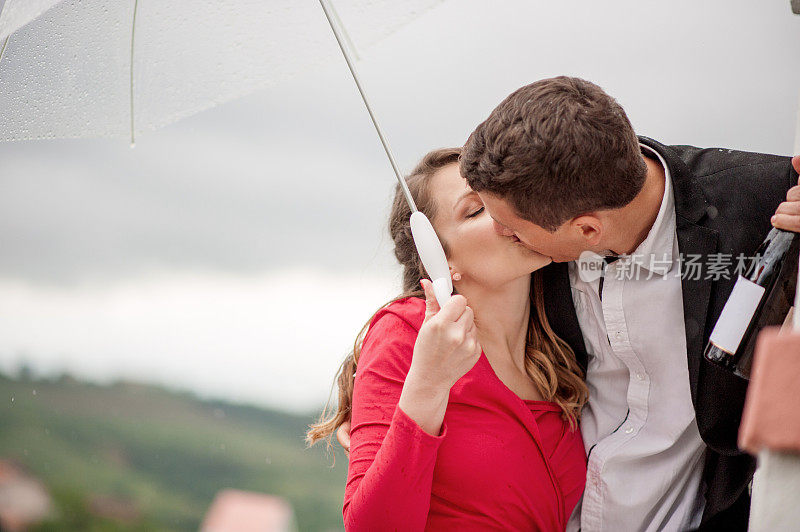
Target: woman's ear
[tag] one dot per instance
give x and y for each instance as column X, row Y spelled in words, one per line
column 454, row 274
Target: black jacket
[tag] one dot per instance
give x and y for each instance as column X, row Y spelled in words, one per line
column 723, row 200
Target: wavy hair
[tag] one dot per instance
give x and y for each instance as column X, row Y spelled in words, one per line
column 549, row 361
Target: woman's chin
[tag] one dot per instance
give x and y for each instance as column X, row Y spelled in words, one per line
column 540, row 262
column 530, row 252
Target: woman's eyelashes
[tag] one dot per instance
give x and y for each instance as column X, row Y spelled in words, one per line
column 476, row 213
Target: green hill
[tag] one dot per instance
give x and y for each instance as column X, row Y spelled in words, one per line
column 165, row 454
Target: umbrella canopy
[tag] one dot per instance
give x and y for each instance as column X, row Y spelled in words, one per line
column 114, row 69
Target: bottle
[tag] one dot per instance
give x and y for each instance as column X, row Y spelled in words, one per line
column 760, row 298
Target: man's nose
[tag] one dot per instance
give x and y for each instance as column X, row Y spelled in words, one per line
column 501, row 229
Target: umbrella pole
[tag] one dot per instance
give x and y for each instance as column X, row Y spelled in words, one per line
column 330, row 14
column 428, row 245
column 133, row 32
column 3, row 48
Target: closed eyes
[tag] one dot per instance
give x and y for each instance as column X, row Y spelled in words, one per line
column 476, row 213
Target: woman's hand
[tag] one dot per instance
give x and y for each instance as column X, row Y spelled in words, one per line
column 447, row 344
column 343, row 436
column 446, row 348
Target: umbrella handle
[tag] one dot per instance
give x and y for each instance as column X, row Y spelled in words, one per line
column 433, row 258
column 442, row 287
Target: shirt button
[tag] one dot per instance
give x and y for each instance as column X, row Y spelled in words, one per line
column 628, row 430
column 640, row 376
column 618, row 335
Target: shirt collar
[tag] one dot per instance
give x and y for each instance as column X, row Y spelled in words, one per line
column 655, row 253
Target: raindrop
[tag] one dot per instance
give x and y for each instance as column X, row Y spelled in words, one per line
column 133, row 145
column 34, row 391
column 12, row 398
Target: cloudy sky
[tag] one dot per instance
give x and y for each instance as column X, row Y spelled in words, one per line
column 238, row 252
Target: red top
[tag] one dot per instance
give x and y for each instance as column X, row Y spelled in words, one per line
column 499, row 462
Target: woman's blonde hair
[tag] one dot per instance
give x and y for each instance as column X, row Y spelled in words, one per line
column 549, row 361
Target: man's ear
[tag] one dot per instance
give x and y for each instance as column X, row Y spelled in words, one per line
column 588, row 228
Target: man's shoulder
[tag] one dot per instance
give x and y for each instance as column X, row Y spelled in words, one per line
column 737, row 184
column 708, row 162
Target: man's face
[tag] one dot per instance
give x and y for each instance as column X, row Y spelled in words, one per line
column 563, row 245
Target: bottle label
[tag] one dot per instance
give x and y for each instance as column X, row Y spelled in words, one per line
column 736, row 315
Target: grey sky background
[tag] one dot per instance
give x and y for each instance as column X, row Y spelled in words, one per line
column 238, row 252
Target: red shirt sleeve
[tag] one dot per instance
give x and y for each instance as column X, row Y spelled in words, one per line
column 391, row 458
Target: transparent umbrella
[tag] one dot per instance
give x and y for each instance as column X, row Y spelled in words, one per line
column 86, row 68
column 112, row 68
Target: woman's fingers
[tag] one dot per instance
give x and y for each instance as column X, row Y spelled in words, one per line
column 472, row 336
column 474, row 347
column 472, row 330
column 447, row 344
column 453, row 309
column 431, row 304
column 466, row 319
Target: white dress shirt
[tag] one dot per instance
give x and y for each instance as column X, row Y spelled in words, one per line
column 645, row 453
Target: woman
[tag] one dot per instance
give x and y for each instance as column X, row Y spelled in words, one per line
column 463, row 417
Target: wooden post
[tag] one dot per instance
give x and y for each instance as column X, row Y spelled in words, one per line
column 771, row 430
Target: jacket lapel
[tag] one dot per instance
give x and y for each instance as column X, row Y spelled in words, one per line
column 560, row 309
column 693, row 240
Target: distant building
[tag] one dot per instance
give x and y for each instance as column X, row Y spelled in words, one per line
column 24, row 500
column 247, row 511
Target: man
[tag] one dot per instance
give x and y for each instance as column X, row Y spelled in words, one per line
column 558, row 166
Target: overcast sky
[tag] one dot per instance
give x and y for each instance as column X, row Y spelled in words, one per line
column 238, row 252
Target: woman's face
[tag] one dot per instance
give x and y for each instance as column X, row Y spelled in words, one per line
column 474, row 248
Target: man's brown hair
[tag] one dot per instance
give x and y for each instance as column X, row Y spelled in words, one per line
column 556, row 149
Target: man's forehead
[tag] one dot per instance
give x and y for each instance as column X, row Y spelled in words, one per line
column 498, row 222
column 497, row 207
